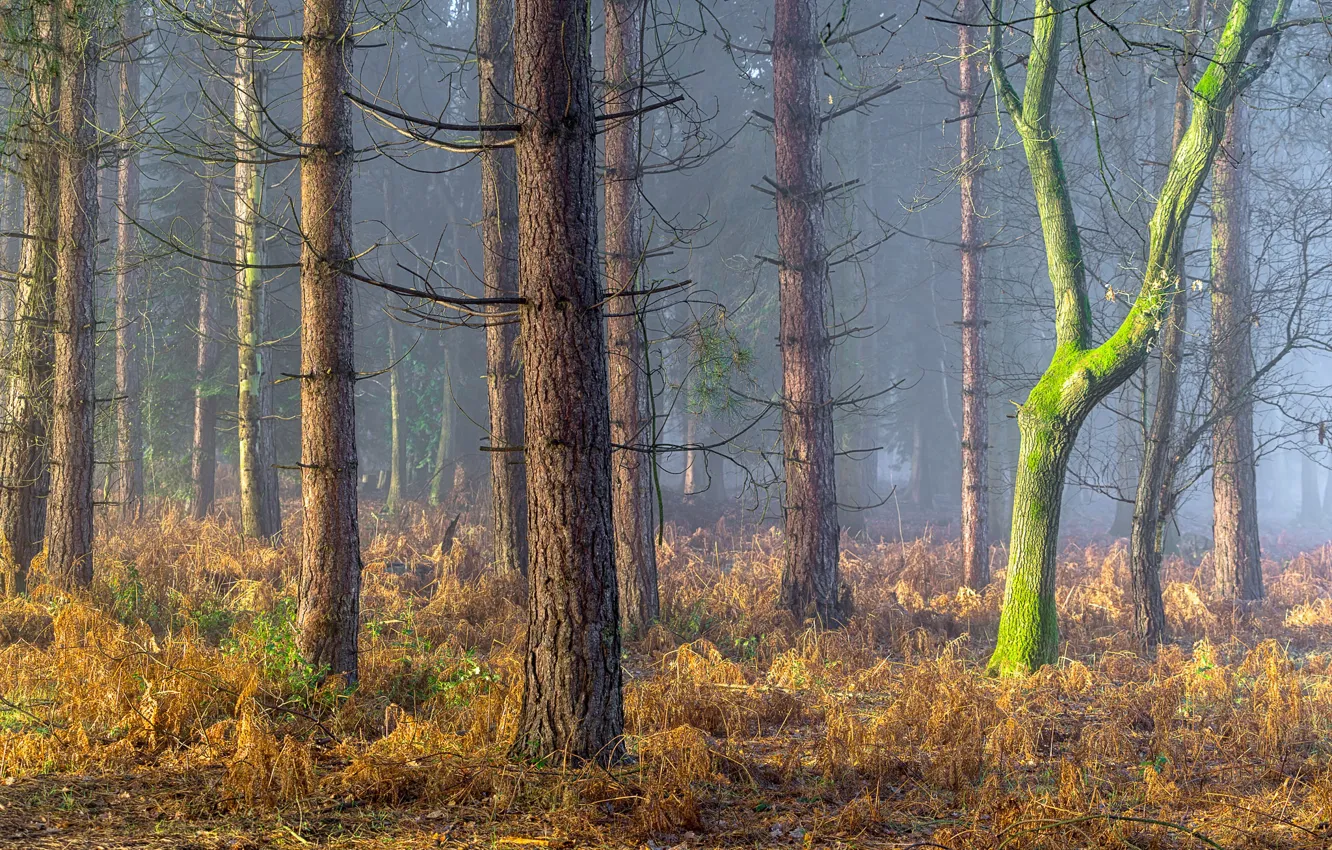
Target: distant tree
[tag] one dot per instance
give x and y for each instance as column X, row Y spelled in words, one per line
column 129, row 419
column 203, row 454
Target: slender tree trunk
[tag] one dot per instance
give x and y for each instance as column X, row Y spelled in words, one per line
column 1236, row 555
column 203, row 454
column 1156, row 477
column 810, row 582
column 69, row 511
column 630, row 418
column 572, row 697
column 692, row 481
column 129, row 435
column 259, row 519
column 444, row 449
column 24, row 470
column 11, row 219
column 330, row 579
column 1129, row 451
column 395, row 426
column 499, row 240
column 975, row 418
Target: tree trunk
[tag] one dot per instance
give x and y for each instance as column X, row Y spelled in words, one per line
column 691, row 482
column 499, row 240
column 330, row 578
column 1236, row 554
column 203, row 455
column 810, row 582
column 11, row 219
column 1156, row 476
column 259, row 519
column 572, row 698
column 69, row 511
column 129, row 435
column 394, row 497
column 24, row 470
column 1129, row 458
column 444, row 449
column 630, row 417
column 975, row 421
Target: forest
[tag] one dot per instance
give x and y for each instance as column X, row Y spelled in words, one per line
column 665, row 424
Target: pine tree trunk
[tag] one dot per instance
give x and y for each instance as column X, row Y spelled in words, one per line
column 630, row 417
column 328, row 611
column 394, row 497
column 24, row 469
column 258, row 517
column 203, row 454
column 975, row 418
column 1236, row 555
column 810, row 582
column 499, row 240
column 69, row 511
column 572, row 697
column 129, row 435
column 444, row 449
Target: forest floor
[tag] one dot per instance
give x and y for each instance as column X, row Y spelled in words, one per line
column 168, row 708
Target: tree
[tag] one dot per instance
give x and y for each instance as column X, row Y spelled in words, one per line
column 69, row 511
column 203, row 454
column 261, row 515
column 394, row 498
column 1236, row 556
column 129, row 436
column 499, row 245
column 809, row 567
column 328, row 613
column 24, row 470
column 1080, row 373
column 975, row 422
column 572, row 705
column 630, row 419
column 1155, row 478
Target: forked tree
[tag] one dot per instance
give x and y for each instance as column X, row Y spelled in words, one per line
column 572, row 706
column 1082, row 373
column 328, row 607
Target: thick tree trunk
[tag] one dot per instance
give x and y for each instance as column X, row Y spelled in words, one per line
column 444, row 448
column 630, row 416
column 572, row 699
column 69, row 510
column 394, row 497
column 810, row 582
column 129, row 436
column 1157, row 474
column 499, row 240
column 330, row 579
column 203, row 454
column 1236, row 555
column 260, row 515
column 24, row 470
column 975, row 418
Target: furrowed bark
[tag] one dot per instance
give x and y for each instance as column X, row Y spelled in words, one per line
column 24, row 469
column 69, row 511
column 129, row 421
column 810, row 585
column 330, row 580
column 572, row 705
column 975, row 421
column 203, row 454
column 630, row 419
column 499, row 241
column 1236, row 554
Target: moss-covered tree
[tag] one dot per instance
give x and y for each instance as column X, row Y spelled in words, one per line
column 1082, row 373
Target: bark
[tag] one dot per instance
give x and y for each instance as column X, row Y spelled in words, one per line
column 1236, row 553
column 975, row 418
column 328, row 611
column 11, row 219
column 203, row 454
column 810, row 582
column 260, row 513
column 692, row 482
column 630, row 417
column 395, row 426
column 129, row 420
column 24, row 469
column 1080, row 375
column 1156, row 476
column 572, row 705
column 69, row 511
column 444, row 449
column 499, row 240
